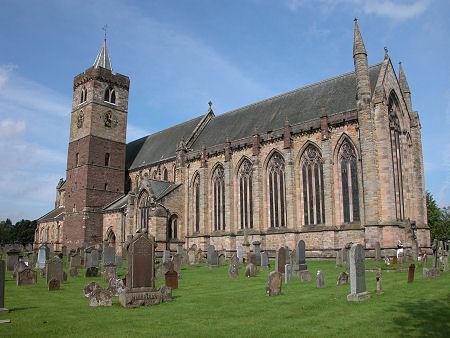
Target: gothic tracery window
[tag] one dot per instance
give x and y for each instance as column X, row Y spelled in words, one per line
column 144, row 210
column 245, row 175
column 173, row 227
column 312, row 186
column 349, row 182
column 83, row 95
column 276, row 191
column 110, row 95
column 218, row 181
column 196, row 188
column 395, row 132
column 165, row 174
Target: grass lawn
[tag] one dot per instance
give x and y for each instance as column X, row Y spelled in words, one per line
column 208, row 303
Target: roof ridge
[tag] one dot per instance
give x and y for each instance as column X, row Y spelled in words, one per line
column 292, row 91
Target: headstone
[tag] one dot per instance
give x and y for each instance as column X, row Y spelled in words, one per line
column 250, row 270
column 264, row 261
column 342, row 278
column 427, row 273
column 109, row 271
column 91, row 272
column 379, row 279
column 257, row 252
column 320, row 279
column 75, row 261
column 42, row 272
column 118, row 261
column 88, row 289
column 240, row 254
column 185, row 258
column 73, row 272
column 387, row 261
column 100, row 297
column 445, row 262
column 435, row 248
column 251, row 258
column 424, row 260
column 140, row 285
column 233, row 269
column 221, row 260
column 273, row 285
column 213, row 260
column 347, row 256
column 177, row 260
column 35, row 259
column 26, row 277
column 161, row 269
column 191, row 258
column 411, row 269
column 116, row 286
column 293, row 257
column 280, row 260
column 2, row 286
column 12, row 257
column 54, row 268
column 179, row 249
column 339, row 259
column 377, row 251
column 300, row 253
column 305, row 276
column 95, row 258
column 357, row 274
column 166, row 256
column 171, row 279
column 401, row 257
column 54, row 284
column 199, row 255
column 166, row 293
column 109, row 255
column 288, row 273
column 19, row 266
column 344, row 255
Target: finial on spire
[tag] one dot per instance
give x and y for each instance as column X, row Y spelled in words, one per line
column 385, row 52
column 103, row 60
column 210, row 104
column 355, row 19
column 104, row 28
column 358, row 43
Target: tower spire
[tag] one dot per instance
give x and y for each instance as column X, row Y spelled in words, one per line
column 103, row 59
column 404, row 87
column 361, row 69
column 358, row 43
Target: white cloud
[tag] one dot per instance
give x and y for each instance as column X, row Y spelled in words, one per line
column 134, row 133
column 11, row 129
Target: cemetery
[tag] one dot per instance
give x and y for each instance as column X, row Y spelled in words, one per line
column 251, row 292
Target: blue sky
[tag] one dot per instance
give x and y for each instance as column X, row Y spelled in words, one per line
column 181, row 54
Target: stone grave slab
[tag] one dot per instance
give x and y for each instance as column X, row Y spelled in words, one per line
column 357, row 274
column 274, row 282
column 320, row 279
column 54, row 268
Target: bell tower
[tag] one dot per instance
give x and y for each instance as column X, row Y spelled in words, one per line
column 96, row 158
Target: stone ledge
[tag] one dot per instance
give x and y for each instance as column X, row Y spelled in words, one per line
column 358, row 297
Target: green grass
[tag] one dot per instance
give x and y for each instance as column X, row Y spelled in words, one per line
column 208, row 303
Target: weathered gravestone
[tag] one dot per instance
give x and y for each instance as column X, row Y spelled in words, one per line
column 35, row 259
column 171, row 279
column 91, row 272
column 161, row 269
column 251, row 258
column 288, row 273
column 379, row 279
column 140, row 285
column 320, row 279
column 116, row 286
column 424, row 260
column 221, row 260
column 342, row 278
column 100, row 297
column 357, row 274
column 75, row 261
column 377, row 251
column 199, row 255
column 118, row 261
column 88, row 289
column 109, row 255
column 300, row 253
column 64, row 276
column 109, row 271
column 54, row 285
column 19, row 266
column 305, row 276
column 177, row 259
column 2, row 286
column 240, row 254
column 264, row 261
column 411, row 269
column 73, row 272
column 339, row 259
column 179, row 249
column 166, row 293
column 91, row 258
column 213, row 260
column 257, row 252
column 273, row 286
column 435, row 248
column 251, row 270
column 12, row 257
column 233, row 269
column 387, row 261
column 54, row 268
column 26, row 277
column 184, row 256
column 280, row 260
column 293, row 257
column 445, row 262
column 166, row 256
column 191, row 258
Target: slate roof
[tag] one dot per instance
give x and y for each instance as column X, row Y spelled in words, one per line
column 118, row 204
column 336, row 95
column 54, row 215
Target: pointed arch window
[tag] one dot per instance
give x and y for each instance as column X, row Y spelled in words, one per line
column 174, row 173
column 107, row 159
column 196, row 189
column 144, row 210
column 245, row 176
column 83, row 95
column 395, row 132
column 165, row 174
column 110, row 95
column 173, row 227
column 276, row 191
column 312, row 186
column 218, row 181
column 349, row 182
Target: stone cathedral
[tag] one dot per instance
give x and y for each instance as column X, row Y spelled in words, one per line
column 334, row 162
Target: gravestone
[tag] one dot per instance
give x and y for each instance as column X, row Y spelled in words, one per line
column 185, row 258
column 427, row 273
column 54, row 268
column 221, row 260
column 108, row 255
column 109, row 271
column 73, row 272
column 100, row 297
column 273, row 285
column 177, row 260
column 264, row 261
column 233, row 269
column 445, row 262
column 19, row 266
column 240, row 254
column 293, row 257
column 424, row 260
column 171, row 279
column 26, row 277
column 320, row 279
column 300, row 253
column 257, row 252
column 12, row 257
column 305, row 276
column 401, row 257
column 379, row 279
column 2, row 286
column 251, row 270
column 54, row 284
column 191, row 258
column 161, row 269
column 357, row 274
column 75, row 261
column 342, row 278
column 288, row 273
column 411, row 269
column 377, row 251
column 42, row 273
column 166, row 256
column 166, row 293
column 140, row 285
column 91, row 272
column 251, row 258
column 90, row 288
column 118, row 261
column 435, row 248
column 387, row 261
column 116, row 286
column 344, row 255
column 35, row 259
column 95, row 258
column 179, row 249
column 199, row 255
column 339, row 259
column 280, row 260
column 213, row 260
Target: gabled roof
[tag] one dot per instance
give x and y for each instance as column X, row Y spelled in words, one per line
column 117, row 204
column 54, row 215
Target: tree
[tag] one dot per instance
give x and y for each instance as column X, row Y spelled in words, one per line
column 438, row 219
column 22, row 232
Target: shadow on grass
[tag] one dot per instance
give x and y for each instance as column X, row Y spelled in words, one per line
column 22, row 308
column 427, row 318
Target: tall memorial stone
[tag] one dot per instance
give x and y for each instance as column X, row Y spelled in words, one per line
column 54, row 270
column 280, row 260
column 288, row 273
column 240, row 254
column 274, row 282
column 12, row 258
column 233, row 270
column 75, row 261
column 140, row 288
column 257, row 252
column 179, row 249
column 2, row 286
column 357, row 274
column 43, row 255
column 264, row 261
column 377, row 251
column 213, row 259
column 300, row 253
column 109, row 255
column 166, row 256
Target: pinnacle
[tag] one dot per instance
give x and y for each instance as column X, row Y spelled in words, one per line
column 402, row 80
column 358, row 43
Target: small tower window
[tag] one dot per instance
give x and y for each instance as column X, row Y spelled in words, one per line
column 165, row 174
column 83, row 96
column 106, row 186
column 110, row 95
column 107, row 158
column 77, row 159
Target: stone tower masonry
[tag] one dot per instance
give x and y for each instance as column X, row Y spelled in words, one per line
column 96, row 156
